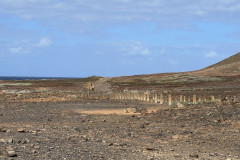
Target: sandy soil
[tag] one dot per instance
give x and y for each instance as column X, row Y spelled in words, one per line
column 125, row 111
column 49, row 99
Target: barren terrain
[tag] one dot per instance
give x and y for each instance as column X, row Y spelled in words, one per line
column 56, row 119
column 60, row 131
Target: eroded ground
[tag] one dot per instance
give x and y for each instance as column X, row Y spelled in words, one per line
column 61, row 130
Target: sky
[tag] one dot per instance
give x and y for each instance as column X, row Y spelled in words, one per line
column 80, row 38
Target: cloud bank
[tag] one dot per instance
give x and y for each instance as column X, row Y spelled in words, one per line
column 79, row 15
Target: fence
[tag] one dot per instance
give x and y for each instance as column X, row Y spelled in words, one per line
column 167, row 98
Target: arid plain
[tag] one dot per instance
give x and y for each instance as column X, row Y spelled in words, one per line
column 188, row 115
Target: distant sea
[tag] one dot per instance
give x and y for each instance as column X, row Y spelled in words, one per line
column 35, row 78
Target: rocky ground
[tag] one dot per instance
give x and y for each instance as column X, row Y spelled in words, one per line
column 49, row 131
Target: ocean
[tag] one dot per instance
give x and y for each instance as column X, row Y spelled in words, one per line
column 34, row 78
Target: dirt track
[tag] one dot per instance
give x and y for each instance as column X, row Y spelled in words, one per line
column 57, row 131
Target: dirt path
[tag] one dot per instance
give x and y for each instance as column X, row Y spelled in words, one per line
column 102, row 86
column 126, row 111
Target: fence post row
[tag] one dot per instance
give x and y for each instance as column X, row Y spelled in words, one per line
column 159, row 98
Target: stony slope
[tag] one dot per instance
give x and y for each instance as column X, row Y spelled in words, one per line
column 227, row 67
column 223, row 73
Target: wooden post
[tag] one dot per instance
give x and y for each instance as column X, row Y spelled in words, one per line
column 220, row 98
column 181, row 98
column 213, row 98
column 151, row 97
column 184, row 98
column 117, row 95
column 156, row 98
column 228, row 100
column 170, row 99
column 205, row 99
column 194, row 99
column 199, row 100
column 89, row 85
column 161, row 98
column 113, row 95
column 148, row 96
column 144, row 96
column 234, row 99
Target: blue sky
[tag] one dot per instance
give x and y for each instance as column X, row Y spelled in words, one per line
column 79, row 38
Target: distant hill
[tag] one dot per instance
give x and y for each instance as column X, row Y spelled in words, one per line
column 226, row 71
column 227, row 67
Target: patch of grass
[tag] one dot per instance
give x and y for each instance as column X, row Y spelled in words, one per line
column 184, row 103
column 56, row 82
column 52, row 84
column 173, row 105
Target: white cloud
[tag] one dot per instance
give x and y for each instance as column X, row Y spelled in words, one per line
column 44, row 42
column 89, row 14
column 27, row 46
column 211, row 54
column 16, row 50
column 138, row 50
column 19, row 50
column 133, row 48
column 171, row 61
